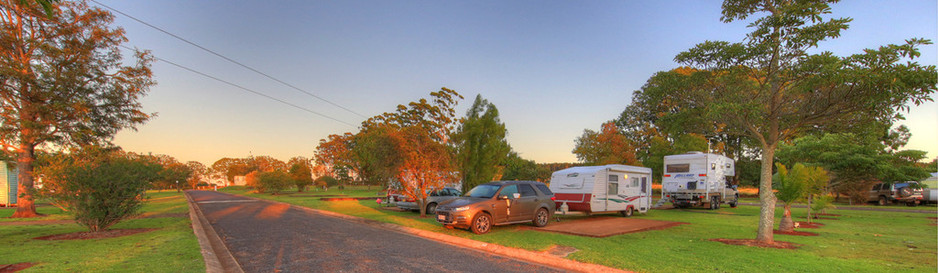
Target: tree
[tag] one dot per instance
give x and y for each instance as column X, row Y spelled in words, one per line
column 480, row 144
column 269, row 164
column 855, row 161
column 517, row 168
column 426, row 165
column 794, row 185
column 769, row 88
column 301, row 172
column 607, row 146
column 421, row 132
column 377, row 154
column 199, row 175
column 227, row 168
column 100, row 186
column 273, row 182
column 334, row 155
column 63, row 82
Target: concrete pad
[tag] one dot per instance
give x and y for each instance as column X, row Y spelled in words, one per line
column 607, row 226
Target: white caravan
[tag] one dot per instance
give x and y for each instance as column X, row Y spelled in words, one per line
column 609, row 188
column 697, row 178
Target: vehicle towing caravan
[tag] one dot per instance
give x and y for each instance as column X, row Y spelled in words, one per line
column 610, row 188
column 698, row 179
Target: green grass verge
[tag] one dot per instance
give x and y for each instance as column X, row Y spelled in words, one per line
column 858, row 241
column 171, row 248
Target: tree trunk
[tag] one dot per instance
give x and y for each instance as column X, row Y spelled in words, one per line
column 787, row 225
column 25, row 204
column 766, row 197
column 810, row 197
column 422, row 207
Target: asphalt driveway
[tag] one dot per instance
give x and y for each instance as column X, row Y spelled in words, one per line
column 270, row 237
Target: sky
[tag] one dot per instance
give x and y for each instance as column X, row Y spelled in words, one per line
column 552, row 68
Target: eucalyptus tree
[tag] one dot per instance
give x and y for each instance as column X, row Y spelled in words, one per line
column 480, row 144
column 64, row 82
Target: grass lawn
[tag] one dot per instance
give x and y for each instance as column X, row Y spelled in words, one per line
column 857, row 241
column 171, row 248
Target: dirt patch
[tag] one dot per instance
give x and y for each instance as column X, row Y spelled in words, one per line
column 348, row 198
column 795, row 233
column 751, row 242
column 809, row 225
column 825, row 218
column 95, row 235
column 607, row 226
column 5, row 268
column 561, row 251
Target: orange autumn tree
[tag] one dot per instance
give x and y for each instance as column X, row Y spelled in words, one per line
column 425, row 164
column 419, row 133
column 608, row 146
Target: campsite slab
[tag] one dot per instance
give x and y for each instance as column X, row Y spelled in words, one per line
column 607, row 226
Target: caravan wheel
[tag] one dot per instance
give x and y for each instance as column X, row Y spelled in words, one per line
column 627, row 212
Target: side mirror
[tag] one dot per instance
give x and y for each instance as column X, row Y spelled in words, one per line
column 503, row 197
column 516, row 195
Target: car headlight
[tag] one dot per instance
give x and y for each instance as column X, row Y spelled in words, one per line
column 461, row 208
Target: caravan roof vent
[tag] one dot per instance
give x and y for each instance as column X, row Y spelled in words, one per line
column 695, row 152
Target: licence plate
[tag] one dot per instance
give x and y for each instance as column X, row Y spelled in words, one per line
column 441, row 217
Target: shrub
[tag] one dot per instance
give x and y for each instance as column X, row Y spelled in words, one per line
column 100, row 186
column 273, row 182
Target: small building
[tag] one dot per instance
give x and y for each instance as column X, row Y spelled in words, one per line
column 8, row 185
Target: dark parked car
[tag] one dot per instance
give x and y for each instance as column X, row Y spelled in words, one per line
column 499, row 203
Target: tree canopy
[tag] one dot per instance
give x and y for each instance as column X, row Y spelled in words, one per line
column 480, row 144
column 771, row 89
column 63, row 81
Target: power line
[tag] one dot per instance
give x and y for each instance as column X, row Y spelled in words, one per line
column 228, row 59
column 245, row 88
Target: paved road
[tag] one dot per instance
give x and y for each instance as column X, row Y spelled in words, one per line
column 269, row 237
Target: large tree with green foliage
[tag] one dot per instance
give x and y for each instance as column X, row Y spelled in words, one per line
column 301, row 172
column 518, row 168
column 63, row 81
column 856, row 161
column 480, row 144
column 771, row 89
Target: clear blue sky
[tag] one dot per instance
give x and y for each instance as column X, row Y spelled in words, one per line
column 553, row 68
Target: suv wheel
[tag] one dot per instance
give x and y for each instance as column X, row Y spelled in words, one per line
column 735, row 201
column 541, row 218
column 481, row 224
column 627, row 212
column 882, row 201
column 431, row 208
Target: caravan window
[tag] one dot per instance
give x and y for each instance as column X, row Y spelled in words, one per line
column 678, row 168
column 613, row 178
column 634, row 182
column 613, row 188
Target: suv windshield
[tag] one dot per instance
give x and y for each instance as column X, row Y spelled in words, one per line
column 483, row 191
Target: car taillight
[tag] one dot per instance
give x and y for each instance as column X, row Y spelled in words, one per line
column 411, row 200
column 552, row 198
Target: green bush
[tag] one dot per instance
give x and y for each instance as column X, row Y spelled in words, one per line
column 100, row 187
column 273, row 182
